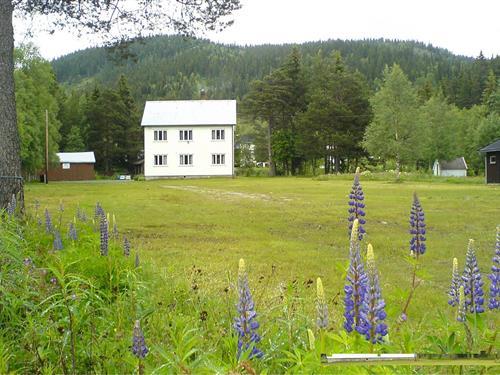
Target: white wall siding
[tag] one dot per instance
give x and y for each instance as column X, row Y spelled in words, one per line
column 201, row 147
column 454, row 173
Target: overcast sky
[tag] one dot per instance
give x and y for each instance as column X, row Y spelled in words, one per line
column 464, row 27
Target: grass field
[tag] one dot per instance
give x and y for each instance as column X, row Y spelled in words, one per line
column 292, row 230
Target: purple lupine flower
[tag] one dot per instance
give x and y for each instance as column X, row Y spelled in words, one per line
column 356, row 206
column 28, row 262
column 58, row 245
column 473, row 285
column 494, row 301
column 72, row 232
column 98, row 212
column 462, row 310
column 126, row 246
column 139, row 348
column 456, row 281
column 417, row 228
column 372, row 311
column 321, row 306
column 245, row 324
column 356, row 283
column 104, row 235
column 48, row 222
column 11, row 205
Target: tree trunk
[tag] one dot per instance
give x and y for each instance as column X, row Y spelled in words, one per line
column 272, row 166
column 10, row 156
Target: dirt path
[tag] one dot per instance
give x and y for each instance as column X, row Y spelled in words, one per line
column 222, row 194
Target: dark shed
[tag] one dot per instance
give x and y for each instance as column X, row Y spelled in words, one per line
column 73, row 166
column 492, row 162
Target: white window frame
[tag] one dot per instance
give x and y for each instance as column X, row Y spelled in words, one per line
column 218, row 134
column 187, row 133
column 160, row 160
column 157, row 134
column 493, row 159
column 186, row 160
column 218, row 159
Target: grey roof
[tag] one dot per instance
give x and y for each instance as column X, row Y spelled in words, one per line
column 458, row 163
column 495, row 146
column 76, row 157
column 189, row 112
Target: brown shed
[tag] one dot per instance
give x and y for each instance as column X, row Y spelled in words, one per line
column 492, row 162
column 73, row 166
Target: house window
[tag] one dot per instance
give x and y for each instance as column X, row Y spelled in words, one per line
column 218, row 134
column 185, row 135
column 160, row 135
column 66, row 165
column 186, row 159
column 493, row 159
column 160, row 159
column 218, row 159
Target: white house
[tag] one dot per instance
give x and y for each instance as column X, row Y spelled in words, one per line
column 451, row 168
column 188, row 138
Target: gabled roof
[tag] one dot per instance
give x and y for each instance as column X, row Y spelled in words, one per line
column 495, row 146
column 76, row 157
column 458, row 163
column 189, row 112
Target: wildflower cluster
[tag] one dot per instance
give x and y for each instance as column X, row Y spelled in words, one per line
column 72, row 232
column 139, row 348
column 453, row 293
column 245, row 323
column 372, row 312
column 356, row 206
column 48, row 222
column 98, row 212
column 126, row 246
column 461, row 312
column 58, row 245
column 321, row 306
column 473, row 285
column 103, row 226
column 356, row 283
column 494, row 300
column 81, row 215
column 417, row 228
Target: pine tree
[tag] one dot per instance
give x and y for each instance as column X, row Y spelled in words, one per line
column 129, row 141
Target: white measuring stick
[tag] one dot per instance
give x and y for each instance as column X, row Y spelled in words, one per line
column 369, row 357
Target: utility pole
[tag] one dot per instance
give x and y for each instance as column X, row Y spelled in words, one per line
column 46, row 146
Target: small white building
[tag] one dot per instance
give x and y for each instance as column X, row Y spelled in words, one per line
column 450, row 168
column 189, row 138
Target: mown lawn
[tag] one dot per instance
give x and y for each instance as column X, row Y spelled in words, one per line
column 291, row 230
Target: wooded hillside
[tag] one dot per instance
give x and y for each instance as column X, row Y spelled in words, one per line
column 172, row 67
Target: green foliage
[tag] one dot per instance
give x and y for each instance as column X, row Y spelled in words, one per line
column 184, row 293
column 394, row 133
column 36, row 91
column 114, row 133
